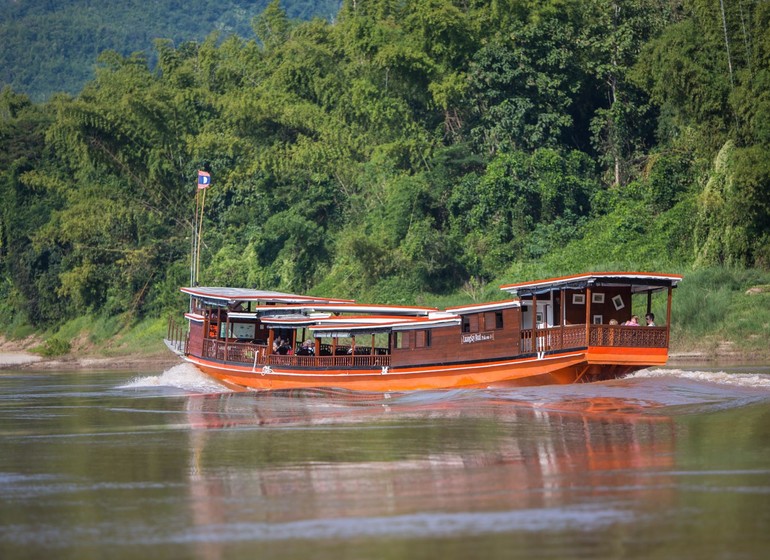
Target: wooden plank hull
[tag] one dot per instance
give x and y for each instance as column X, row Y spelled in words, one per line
column 584, row 365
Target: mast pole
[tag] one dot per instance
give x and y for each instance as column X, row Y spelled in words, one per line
column 194, row 239
column 200, row 234
column 588, row 315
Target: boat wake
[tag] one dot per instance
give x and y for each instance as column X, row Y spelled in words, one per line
column 645, row 394
column 182, row 376
column 756, row 380
column 650, row 392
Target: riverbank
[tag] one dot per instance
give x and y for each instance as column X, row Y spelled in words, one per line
column 19, row 354
column 24, row 360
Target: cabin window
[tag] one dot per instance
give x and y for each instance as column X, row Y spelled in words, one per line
column 243, row 330
column 493, row 319
column 422, row 339
column 402, row 339
column 471, row 323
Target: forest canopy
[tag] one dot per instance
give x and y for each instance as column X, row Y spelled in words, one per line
column 51, row 46
column 405, row 148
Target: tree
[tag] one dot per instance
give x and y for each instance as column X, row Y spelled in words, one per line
column 613, row 34
column 523, row 87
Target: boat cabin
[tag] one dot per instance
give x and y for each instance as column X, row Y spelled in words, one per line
column 596, row 309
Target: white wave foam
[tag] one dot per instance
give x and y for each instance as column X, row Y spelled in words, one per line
column 753, row 380
column 183, row 376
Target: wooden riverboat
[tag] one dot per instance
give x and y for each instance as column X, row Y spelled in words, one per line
column 554, row 331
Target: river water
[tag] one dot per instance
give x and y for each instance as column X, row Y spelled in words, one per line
column 667, row 463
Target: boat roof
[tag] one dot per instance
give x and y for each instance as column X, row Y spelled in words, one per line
column 224, row 296
column 308, row 320
column 341, row 328
column 638, row 281
column 482, row 307
column 363, row 323
column 350, row 307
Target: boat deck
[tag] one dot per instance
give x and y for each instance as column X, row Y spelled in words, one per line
column 547, row 340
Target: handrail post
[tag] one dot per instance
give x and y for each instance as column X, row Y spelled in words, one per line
column 562, row 316
column 588, row 315
column 534, row 322
column 668, row 318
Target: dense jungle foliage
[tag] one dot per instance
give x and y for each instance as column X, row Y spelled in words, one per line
column 50, row 46
column 408, row 149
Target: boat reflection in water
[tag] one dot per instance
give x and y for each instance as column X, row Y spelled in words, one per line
column 315, row 464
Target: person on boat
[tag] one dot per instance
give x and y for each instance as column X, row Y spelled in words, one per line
column 613, row 322
column 632, row 322
column 650, row 318
column 307, row 348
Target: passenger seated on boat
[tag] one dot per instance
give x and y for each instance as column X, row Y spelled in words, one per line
column 650, row 318
column 632, row 322
column 613, row 321
column 307, row 349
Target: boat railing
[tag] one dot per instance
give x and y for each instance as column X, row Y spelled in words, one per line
column 257, row 355
column 574, row 336
column 340, row 361
column 227, row 351
column 635, row 337
column 553, row 338
column 177, row 336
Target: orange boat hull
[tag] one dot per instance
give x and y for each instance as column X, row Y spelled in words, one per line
column 563, row 368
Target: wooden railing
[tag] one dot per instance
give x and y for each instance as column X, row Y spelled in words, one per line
column 574, row 336
column 637, row 337
column 347, row 360
column 177, row 336
column 256, row 355
column 241, row 352
column 547, row 339
column 554, row 338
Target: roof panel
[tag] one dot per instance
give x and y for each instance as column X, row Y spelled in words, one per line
column 639, row 281
column 482, row 307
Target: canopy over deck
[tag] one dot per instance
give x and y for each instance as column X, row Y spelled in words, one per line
column 349, row 307
column 483, row 307
column 342, row 327
column 638, row 282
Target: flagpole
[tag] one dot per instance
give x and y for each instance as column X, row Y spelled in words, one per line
column 200, row 235
column 194, row 241
column 204, row 181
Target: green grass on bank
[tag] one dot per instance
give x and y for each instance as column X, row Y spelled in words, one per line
column 715, row 310
column 719, row 308
column 103, row 337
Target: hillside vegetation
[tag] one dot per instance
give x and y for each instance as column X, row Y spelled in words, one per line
column 409, row 151
column 52, row 46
